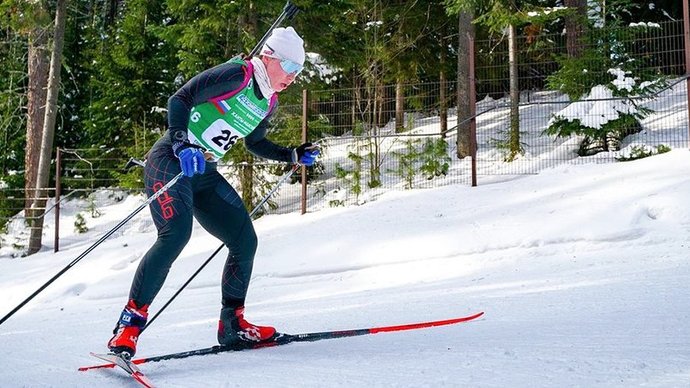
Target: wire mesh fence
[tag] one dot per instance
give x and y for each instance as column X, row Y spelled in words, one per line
column 379, row 137
column 22, row 211
column 622, row 92
column 19, row 200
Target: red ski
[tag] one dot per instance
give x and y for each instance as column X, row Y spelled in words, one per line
column 126, row 365
column 283, row 339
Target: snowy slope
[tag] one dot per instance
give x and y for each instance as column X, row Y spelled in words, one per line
column 582, row 272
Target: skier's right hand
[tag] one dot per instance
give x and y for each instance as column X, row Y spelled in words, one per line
column 306, row 154
column 191, row 157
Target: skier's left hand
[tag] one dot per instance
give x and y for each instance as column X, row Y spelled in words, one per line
column 306, row 154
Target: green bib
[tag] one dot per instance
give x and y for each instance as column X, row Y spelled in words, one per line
column 220, row 122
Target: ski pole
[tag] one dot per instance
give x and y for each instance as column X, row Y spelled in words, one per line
column 256, row 209
column 92, row 247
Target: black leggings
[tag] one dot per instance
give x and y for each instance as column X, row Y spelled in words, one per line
column 217, row 207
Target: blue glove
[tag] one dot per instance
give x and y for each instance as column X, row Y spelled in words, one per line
column 306, row 154
column 191, row 157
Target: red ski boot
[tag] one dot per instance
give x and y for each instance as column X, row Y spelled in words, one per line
column 126, row 332
column 233, row 329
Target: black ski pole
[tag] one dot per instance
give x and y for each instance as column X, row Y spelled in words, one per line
column 92, row 247
column 256, row 209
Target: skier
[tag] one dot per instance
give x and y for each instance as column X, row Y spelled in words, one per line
column 206, row 117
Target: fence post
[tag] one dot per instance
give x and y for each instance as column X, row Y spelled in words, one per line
column 473, row 110
column 58, row 169
column 686, row 39
column 305, row 113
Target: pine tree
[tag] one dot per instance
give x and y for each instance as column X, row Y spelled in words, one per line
column 605, row 69
column 12, row 119
column 131, row 77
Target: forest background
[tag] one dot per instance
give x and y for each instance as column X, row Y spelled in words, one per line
column 115, row 63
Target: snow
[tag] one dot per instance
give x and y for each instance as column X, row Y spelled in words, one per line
column 322, row 70
column 600, row 106
column 581, row 271
column 622, row 81
column 643, row 24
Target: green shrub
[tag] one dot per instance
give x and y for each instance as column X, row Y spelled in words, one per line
column 80, row 224
column 642, row 151
column 435, row 159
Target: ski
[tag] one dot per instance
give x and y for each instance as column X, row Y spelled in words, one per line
column 126, row 365
column 284, row 339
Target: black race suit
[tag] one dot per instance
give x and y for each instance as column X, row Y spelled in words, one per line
column 208, row 197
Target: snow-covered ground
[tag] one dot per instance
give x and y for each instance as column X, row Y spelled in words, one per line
column 582, row 272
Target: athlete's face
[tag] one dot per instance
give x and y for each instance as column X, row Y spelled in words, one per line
column 280, row 79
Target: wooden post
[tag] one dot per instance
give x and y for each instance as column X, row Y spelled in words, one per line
column 58, row 169
column 305, row 113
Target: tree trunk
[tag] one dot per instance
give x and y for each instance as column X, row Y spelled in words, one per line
column 514, row 146
column 380, row 99
column 575, row 27
column 465, row 30
column 374, row 98
column 49, row 124
column 36, row 100
column 110, row 13
column 399, row 107
column 247, row 181
column 247, row 24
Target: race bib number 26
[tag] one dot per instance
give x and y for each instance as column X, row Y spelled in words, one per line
column 221, row 136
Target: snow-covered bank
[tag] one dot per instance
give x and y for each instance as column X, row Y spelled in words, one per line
column 582, row 272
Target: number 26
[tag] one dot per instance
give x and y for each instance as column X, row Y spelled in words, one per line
column 226, row 140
